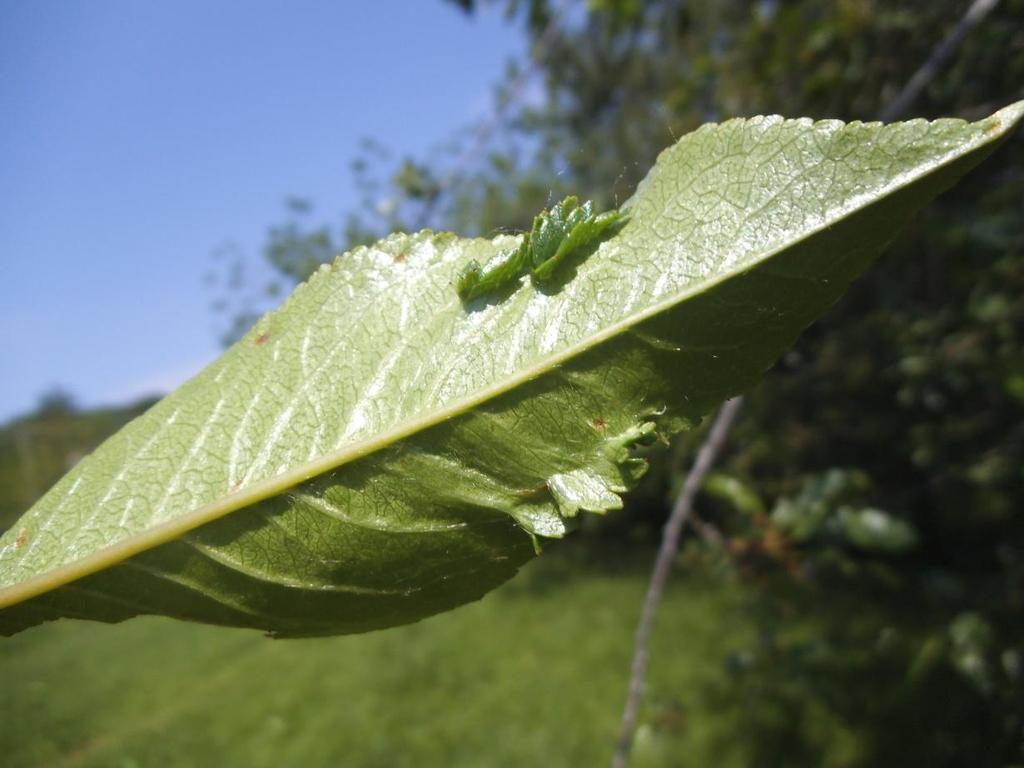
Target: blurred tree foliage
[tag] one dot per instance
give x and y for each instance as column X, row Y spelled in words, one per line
column 877, row 476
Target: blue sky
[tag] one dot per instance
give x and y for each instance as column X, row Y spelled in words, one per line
column 137, row 137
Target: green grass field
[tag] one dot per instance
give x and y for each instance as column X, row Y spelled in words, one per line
column 534, row 674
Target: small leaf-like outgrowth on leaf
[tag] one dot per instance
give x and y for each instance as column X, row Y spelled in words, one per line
column 584, row 230
column 555, row 235
column 498, row 274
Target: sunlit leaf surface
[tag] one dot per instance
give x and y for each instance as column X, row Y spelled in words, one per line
column 377, row 451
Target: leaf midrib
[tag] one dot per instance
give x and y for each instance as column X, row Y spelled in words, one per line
column 261, row 490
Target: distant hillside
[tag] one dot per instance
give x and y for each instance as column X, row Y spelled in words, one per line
column 35, row 450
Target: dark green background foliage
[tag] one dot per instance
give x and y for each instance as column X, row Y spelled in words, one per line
column 869, row 505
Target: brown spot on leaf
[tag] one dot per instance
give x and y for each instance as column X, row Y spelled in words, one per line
column 536, row 490
column 399, row 257
column 236, row 486
column 22, row 539
column 599, row 423
column 262, row 339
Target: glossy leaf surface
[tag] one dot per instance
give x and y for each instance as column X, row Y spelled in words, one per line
column 376, row 451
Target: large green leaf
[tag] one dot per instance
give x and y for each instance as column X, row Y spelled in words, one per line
column 375, row 451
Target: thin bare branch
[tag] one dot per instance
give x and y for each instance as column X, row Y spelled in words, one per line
column 663, row 565
column 706, row 530
column 978, row 10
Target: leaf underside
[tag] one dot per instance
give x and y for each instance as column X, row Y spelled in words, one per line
column 375, row 451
